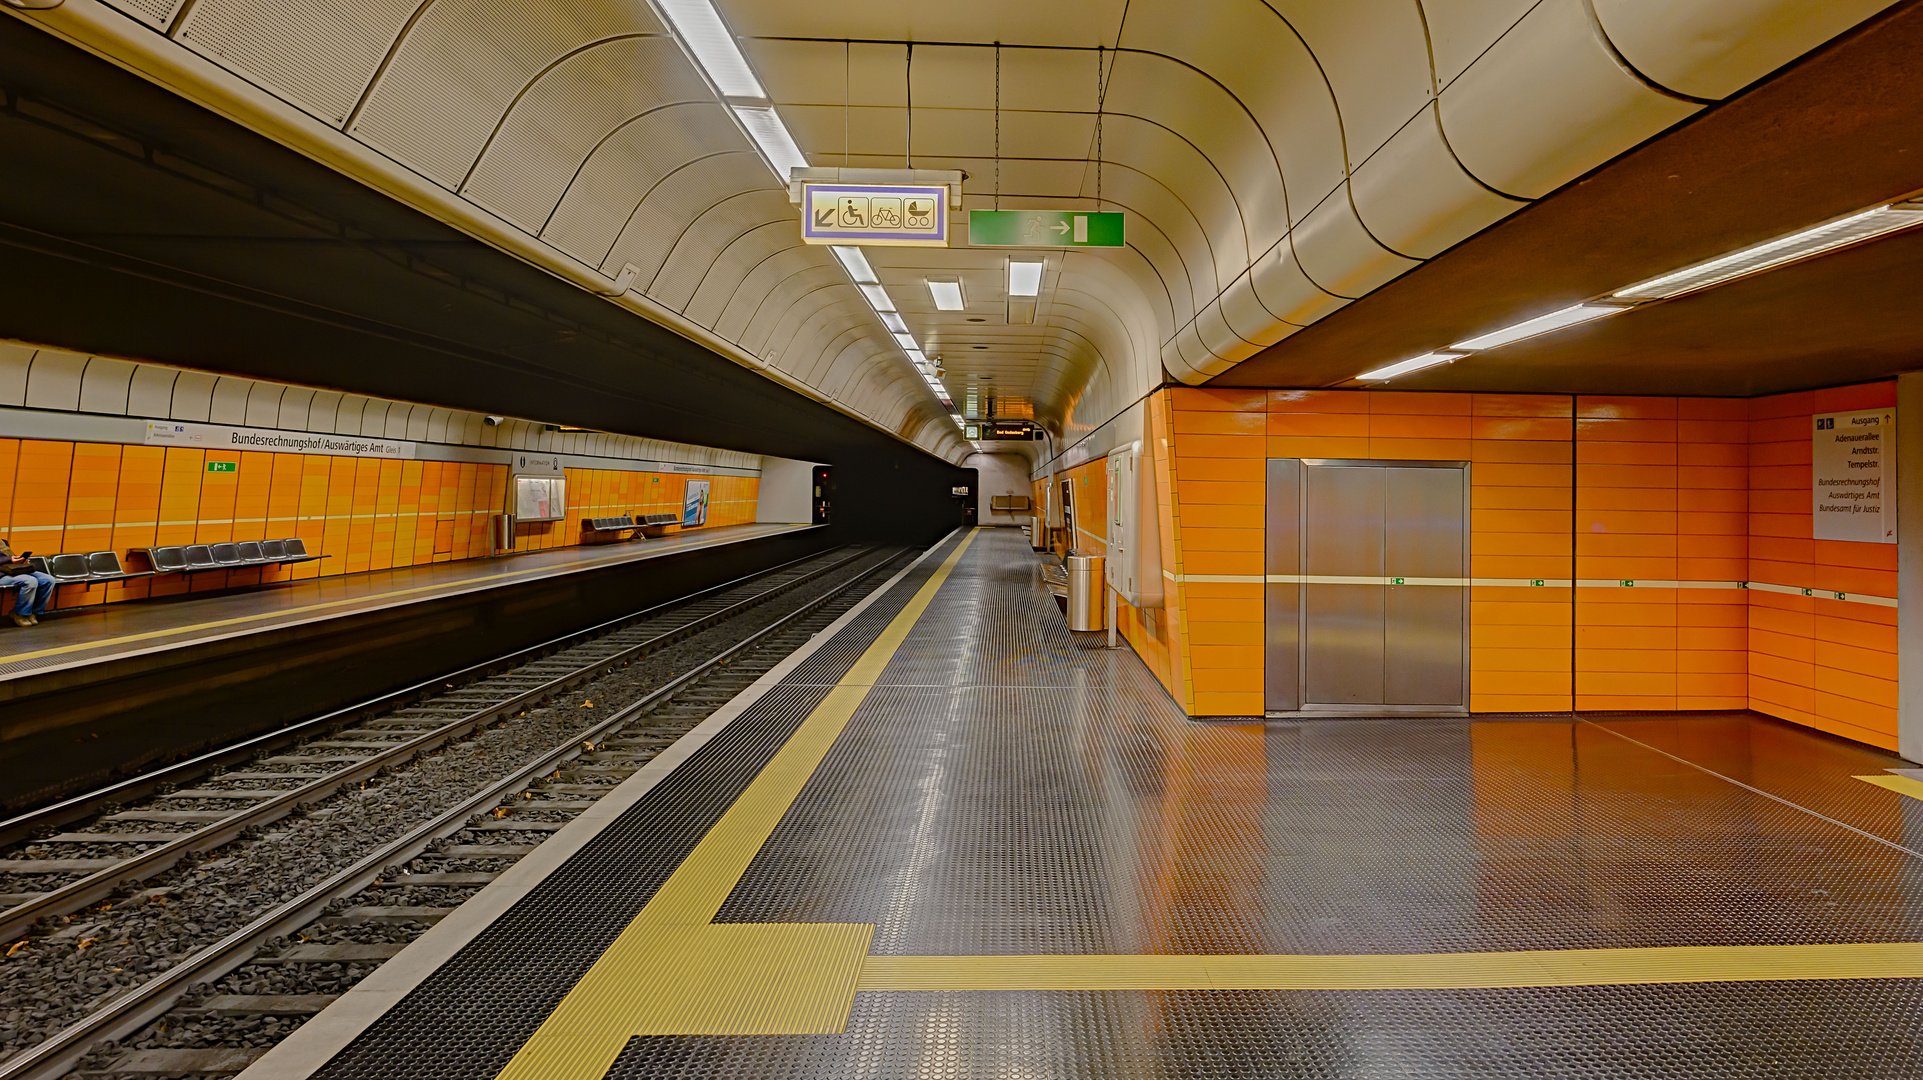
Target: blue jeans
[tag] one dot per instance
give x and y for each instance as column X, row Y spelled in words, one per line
column 32, row 592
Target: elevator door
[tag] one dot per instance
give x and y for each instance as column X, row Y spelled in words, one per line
column 1377, row 583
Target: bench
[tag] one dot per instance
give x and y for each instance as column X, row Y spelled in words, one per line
column 605, row 530
column 93, row 568
column 656, row 524
column 194, row 558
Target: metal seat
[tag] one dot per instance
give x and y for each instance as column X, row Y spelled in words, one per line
column 200, row 557
column 167, row 560
column 273, row 550
column 68, row 568
column 39, row 563
column 250, row 553
column 295, row 549
column 105, row 564
column 227, row 555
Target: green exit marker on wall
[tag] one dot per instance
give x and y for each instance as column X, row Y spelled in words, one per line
column 223, row 466
column 1043, row 228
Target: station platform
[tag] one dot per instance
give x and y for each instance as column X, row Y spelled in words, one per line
column 90, row 687
column 952, row 839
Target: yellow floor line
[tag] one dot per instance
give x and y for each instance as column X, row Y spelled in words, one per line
column 369, row 598
column 1420, row 971
column 1902, row 785
column 673, row 971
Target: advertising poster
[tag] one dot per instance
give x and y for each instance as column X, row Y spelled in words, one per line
column 694, row 504
column 1853, row 476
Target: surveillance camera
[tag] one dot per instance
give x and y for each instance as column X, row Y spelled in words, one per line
column 493, row 421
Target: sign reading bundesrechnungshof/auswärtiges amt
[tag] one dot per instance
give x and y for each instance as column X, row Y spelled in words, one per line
column 1853, row 476
column 882, row 215
column 1044, row 228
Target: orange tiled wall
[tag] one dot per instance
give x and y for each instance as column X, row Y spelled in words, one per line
column 596, row 493
column 369, row 514
column 1681, row 497
column 1816, row 660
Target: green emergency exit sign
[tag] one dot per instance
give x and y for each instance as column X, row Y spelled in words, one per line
column 1043, row 228
column 223, row 466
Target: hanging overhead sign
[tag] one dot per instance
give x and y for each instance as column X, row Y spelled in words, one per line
column 1853, row 476
column 882, row 215
column 1043, row 228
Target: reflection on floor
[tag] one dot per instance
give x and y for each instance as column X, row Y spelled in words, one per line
column 1065, row 877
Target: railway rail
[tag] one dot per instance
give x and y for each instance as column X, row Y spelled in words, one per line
column 509, row 807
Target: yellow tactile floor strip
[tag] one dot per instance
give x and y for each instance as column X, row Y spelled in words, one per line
column 673, row 971
column 1420, row 971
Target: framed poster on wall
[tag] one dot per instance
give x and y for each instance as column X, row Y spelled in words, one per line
column 694, row 504
column 540, row 498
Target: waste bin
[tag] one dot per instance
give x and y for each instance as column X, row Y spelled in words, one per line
column 1085, row 592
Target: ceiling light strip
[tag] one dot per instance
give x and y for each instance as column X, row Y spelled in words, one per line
column 1827, row 237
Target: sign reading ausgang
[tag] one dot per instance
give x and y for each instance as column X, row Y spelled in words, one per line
column 1853, row 476
column 1043, row 228
column 884, row 215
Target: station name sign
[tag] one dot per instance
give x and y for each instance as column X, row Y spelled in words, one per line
column 219, row 437
column 878, row 215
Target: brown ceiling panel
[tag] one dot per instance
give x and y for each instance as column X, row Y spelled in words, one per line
column 1835, row 133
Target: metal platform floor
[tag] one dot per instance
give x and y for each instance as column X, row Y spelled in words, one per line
column 82, row 636
column 954, row 840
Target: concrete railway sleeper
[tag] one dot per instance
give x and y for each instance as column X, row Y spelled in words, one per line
column 386, row 819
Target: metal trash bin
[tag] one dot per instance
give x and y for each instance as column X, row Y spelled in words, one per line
column 1085, row 584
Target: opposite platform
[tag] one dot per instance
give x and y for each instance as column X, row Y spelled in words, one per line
column 953, row 839
column 97, row 691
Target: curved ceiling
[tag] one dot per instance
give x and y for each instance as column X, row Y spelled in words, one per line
column 1275, row 160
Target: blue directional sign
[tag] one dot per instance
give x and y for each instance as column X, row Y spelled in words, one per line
column 883, row 215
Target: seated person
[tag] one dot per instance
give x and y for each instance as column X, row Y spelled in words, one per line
column 33, row 590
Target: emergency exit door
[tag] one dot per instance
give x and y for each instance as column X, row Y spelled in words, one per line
column 1367, row 598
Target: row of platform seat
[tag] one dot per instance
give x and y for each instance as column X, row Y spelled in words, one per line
column 655, row 522
column 100, row 567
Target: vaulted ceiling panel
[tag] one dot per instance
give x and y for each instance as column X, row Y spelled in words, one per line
column 665, row 213
column 566, row 112
column 461, row 64
column 1548, row 103
column 724, row 279
column 624, row 167
column 1713, row 48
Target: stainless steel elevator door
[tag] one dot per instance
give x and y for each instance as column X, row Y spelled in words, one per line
column 1423, row 543
column 1342, row 621
column 1383, row 599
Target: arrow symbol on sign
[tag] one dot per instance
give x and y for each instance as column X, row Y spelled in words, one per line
column 1060, row 227
column 825, row 219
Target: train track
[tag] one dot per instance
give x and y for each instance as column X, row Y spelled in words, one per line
column 358, row 742
column 453, row 854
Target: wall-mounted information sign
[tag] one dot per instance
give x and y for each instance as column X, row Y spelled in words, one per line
column 1043, row 228
column 1853, row 476
column 882, row 215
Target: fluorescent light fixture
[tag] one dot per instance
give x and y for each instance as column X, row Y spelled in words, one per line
column 915, row 356
column 1383, row 374
column 853, row 261
column 1541, row 324
column 1024, row 278
column 906, row 341
column 893, row 322
column 947, row 294
column 713, row 46
column 1770, row 254
column 771, row 136
column 877, row 297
